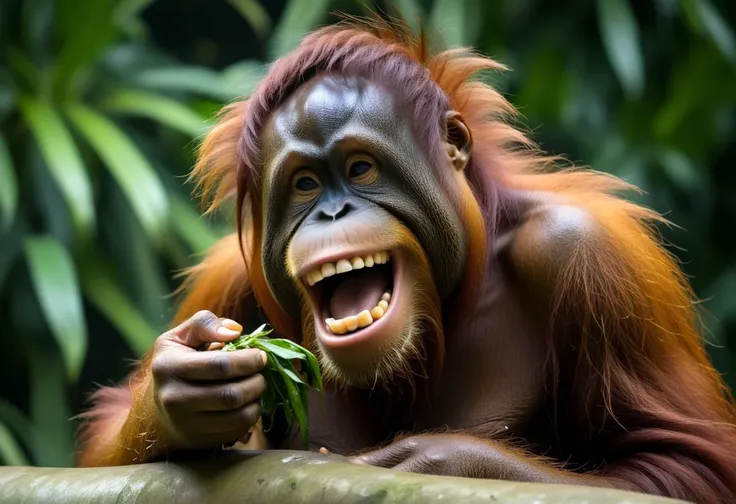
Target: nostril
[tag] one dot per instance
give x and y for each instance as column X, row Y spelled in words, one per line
column 335, row 212
column 343, row 211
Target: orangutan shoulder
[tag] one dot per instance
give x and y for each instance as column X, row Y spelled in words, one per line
column 548, row 240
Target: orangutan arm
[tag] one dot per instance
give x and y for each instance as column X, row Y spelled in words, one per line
column 575, row 266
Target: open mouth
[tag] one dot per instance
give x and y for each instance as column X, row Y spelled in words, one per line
column 351, row 293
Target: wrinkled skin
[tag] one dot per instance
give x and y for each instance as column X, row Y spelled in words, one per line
column 206, row 399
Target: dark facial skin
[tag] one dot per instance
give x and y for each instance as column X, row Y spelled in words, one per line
column 317, row 134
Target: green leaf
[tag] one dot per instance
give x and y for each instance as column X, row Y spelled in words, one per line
column 298, row 19
column 297, row 406
column 159, row 108
column 620, row 34
column 707, row 19
column 63, row 160
column 191, row 226
column 128, row 166
column 234, row 82
column 312, row 368
column 8, row 186
column 457, row 24
column 103, row 292
column 18, row 423
column 55, row 282
column 411, row 11
column 10, row 451
column 253, row 12
column 284, row 353
column 82, row 42
column 52, row 430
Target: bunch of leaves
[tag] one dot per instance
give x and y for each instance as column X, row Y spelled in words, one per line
column 290, row 372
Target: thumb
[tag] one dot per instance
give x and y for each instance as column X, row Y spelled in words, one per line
column 204, row 327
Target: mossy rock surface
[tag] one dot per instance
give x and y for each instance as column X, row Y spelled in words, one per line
column 281, row 477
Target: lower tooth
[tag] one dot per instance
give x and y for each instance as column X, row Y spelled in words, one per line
column 386, row 297
column 364, row 318
column 377, row 312
column 336, row 326
column 383, row 304
column 351, row 323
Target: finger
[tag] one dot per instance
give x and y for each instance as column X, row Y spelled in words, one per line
column 177, row 396
column 204, row 326
column 416, row 464
column 389, row 456
column 215, row 345
column 232, row 424
column 219, row 365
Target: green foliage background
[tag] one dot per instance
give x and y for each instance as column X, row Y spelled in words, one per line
column 102, row 102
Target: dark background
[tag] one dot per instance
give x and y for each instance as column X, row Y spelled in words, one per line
column 102, row 103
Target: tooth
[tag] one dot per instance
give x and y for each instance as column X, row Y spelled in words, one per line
column 328, row 269
column 351, row 322
column 364, row 318
column 368, row 261
column 357, row 263
column 383, row 304
column 378, row 258
column 386, row 297
column 386, row 257
column 310, row 278
column 343, row 266
column 317, row 275
column 377, row 312
column 336, row 326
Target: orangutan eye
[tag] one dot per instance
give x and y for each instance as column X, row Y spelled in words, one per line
column 362, row 169
column 305, row 185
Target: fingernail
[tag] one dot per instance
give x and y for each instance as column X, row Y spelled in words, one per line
column 264, row 357
column 224, row 331
column 232, row 325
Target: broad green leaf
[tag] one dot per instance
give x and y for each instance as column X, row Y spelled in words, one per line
column 284, row 353
column 128, row 166
column 8, row 185
column 10, row 451
column 457, row 23
column 707, row 19
column 63, row 160
column 297, row 407
column 138, row 264
column 680, row 169
column 620, row 34
column 298, row 19
column 24, row 68
column 240, row 79
column 16, row 421
column 191, row 226
column 183, row 78
column 312, row 364
column 411, row 11
column 55, row 282
column 52, row 430
column 103, row 292
column 159, row 108
column 253, row 12
column 82, row 42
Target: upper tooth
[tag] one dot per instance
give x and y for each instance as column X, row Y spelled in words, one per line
column 328, row 269
column 343, row 265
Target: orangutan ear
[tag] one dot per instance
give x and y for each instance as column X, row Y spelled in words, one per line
column 459, row 140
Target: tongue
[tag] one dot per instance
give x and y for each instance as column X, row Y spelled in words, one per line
column 357, row 291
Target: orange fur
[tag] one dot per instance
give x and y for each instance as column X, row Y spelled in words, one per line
column 621, row 303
